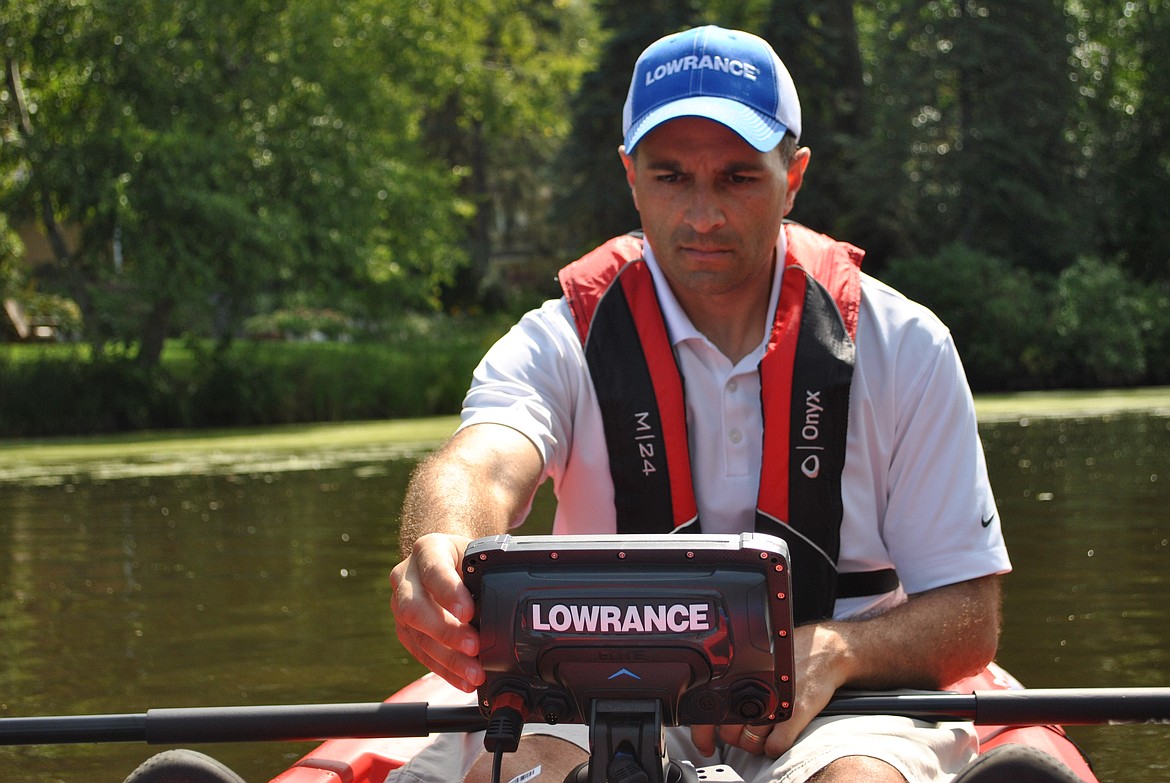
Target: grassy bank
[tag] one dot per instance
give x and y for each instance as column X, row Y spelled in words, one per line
column 402, row 434
column 406, row 435
column 1033, row 405
column 421, row 369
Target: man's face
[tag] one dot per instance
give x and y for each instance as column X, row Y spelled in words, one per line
column 711, row 205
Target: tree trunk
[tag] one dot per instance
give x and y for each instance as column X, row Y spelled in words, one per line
column 154, row 332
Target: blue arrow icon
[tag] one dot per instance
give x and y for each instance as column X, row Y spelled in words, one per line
column 620, row 672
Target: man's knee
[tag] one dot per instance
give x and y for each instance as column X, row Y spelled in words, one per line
column 554, row 757
column 857, row 768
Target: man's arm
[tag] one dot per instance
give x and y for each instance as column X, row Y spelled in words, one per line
column 476, row 485
column 930, row 641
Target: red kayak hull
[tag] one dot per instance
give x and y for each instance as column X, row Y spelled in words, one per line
column 371, row 760
column 1051, row 739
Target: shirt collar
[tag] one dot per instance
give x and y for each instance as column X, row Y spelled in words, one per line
column 679, row 326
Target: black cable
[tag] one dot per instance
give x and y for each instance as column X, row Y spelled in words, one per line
column 503, row 729
column 497, row 763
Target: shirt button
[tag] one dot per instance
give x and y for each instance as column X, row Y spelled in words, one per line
column 732, row 385
column 735, row 435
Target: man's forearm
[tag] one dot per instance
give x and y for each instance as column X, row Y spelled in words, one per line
column 476, row 485
column 932, row 640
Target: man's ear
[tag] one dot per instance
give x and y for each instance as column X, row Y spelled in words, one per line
column 796, row 169
column 628, row 163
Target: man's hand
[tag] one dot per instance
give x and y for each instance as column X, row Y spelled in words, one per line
column 477, row 484
column 433, row 609
column 819, row 655
column 934, row 638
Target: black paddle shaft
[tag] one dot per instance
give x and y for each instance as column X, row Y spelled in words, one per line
column 1027, row 707
column 295, row 722
column 298, row 722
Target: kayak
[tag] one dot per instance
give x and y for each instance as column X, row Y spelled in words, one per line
column 1050, row 739
column 371, row 760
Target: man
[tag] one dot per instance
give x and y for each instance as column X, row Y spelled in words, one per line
column 643, row 394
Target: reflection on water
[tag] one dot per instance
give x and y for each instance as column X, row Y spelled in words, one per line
column 265, row 582
column 1085, row 509
column 119, row 596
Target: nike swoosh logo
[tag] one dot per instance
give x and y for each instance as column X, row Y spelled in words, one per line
column 987, row 521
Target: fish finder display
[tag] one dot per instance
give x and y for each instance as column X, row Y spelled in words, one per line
column 700, row 623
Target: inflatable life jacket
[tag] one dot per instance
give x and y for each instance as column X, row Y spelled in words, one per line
column 805, row 377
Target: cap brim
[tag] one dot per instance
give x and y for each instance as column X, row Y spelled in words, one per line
column 758, row 130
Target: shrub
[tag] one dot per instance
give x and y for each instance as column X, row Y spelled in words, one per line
column 1097, row 326
column 63, row 313
column 66, row 393
column 992, row 309
column 11, row 249
column 301, row 323
column 421, row 366
column 1154, row 307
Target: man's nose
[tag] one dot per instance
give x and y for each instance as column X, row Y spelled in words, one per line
column 705, row 210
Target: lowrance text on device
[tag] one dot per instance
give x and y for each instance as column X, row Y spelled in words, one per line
column 589, row 618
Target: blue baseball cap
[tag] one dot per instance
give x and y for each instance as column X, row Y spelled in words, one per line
column 731, row 77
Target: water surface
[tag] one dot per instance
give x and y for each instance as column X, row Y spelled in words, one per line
column 257, row 578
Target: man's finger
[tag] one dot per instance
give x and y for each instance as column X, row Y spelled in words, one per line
column 752, row 738
column 462, row 671
column 436, row 560
column 704, row 739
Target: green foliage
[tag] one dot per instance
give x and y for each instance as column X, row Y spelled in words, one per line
column 10, row 251
column 495, row 80
column 373, row 157
column 63, row 393
column 60, row 312
column 300, row 323
column 1154, row 310
column 1098, row 326
column 970, row 105
column 994, row 311
column 213, row 151
column 421, row 366
column 1094, row 325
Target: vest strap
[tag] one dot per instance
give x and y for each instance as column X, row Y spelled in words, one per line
column 863, row 583
column 805, row 376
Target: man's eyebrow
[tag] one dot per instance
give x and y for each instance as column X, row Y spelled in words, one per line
column 664, row 163
column 669, row 164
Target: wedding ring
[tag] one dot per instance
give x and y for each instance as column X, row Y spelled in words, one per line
column 751, row 736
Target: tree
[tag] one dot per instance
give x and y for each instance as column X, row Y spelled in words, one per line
column 1123, row 81
column 995, row 332
column 1097, row 324
column 214, row 151
column 10, row 250
column 593, row 202
column 975, row 99
column 818, row 42
column 496, row 79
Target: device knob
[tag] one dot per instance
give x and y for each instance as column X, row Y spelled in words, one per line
column 750, row 701
column 555, row 709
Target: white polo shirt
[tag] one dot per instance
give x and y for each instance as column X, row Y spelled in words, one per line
column 915, row 490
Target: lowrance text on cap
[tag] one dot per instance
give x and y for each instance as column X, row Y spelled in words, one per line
column 731, row 77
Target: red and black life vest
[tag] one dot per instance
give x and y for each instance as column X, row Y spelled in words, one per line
column 805, row 377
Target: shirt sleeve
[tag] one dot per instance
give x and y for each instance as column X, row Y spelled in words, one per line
column 530, row 381
column 940, row 524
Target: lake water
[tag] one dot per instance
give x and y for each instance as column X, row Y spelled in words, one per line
column 259, row 579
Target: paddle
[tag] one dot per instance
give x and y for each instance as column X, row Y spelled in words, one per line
column 298, row 722
column 291, row 722
column 1026, row 707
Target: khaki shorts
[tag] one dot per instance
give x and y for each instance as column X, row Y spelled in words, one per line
column 922, row 752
